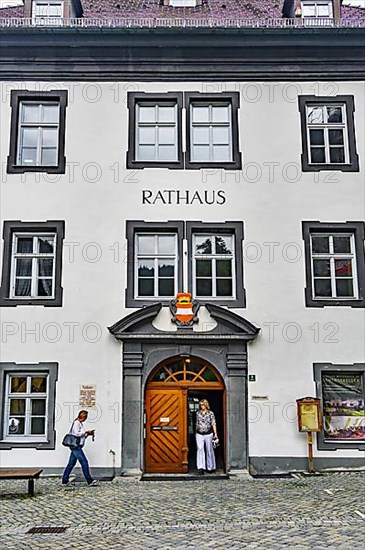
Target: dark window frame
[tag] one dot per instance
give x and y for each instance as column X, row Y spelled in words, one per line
column 136, row 226
column 348, row 101
column 358, row 229
column 51, row 369
column 234, row 99
column 133, row 98
column 319, row 368
column 17, row 96
column 235, row 228
column 14, row 226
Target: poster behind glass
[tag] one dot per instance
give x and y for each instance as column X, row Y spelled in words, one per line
column 343, row 406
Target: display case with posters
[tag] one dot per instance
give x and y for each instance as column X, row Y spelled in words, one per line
column 343, row 406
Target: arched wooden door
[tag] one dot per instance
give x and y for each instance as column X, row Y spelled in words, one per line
column 166, row 431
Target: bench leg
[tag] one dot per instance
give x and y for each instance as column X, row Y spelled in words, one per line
column 31, row 487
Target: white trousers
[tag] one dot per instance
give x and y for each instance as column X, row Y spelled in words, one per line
column 205, row 460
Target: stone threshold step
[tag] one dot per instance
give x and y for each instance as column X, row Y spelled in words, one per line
column 184, row 477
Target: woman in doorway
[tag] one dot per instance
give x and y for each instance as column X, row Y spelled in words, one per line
column 205, row 432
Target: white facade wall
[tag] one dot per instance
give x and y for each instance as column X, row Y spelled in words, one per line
column 97, row 195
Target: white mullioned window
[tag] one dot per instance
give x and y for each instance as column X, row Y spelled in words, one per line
column 156, row 134
column 317, row 9
column 333, row 265
column 327, row 134
column 33, row 265
column 211, row 132
column 213, row 265
column 156, row 265
column 47, row 12
column 38, row 133
column 26, row 405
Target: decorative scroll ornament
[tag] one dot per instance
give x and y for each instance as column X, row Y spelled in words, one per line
column 184, row 309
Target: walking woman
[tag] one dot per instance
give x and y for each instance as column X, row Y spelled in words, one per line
column 77, row 454
column 205, row 432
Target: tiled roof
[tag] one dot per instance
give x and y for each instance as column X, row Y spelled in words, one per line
column 215, row 9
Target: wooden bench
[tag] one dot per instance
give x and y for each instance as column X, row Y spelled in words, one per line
column 30, row 475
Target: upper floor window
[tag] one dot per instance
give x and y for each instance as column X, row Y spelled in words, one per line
column 37, row 139
column 335, row 264
column 156, row 132
column 328, row 133
column 48, row 12
column 213, row 265
column 32, row 264
column 317, row 9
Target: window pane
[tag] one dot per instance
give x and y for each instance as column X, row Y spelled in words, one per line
column 17, row 407
column 38, row 406
column 18, row 384
column 49, row 157
column 166, row 114
column 223, row 245
column 16, row 425
column 38, row 384
column 203, row 268
column 200, row 136
column 166, row 269
column 24, row 267
column 321, row 268
column 221, row 136
column 203, row 245
column 44, row 287
column 224, row 268
column 344, row 287
column 224, row 287
column 147, row 135
column 30, row 113
column 209, row 375
column 341, row 245
column 146, row 287
column 221, row 113
column 322, row 287
column 22, row 287
column 334, row 114
column 200, row 153
column 37, row 426
column 145, row 244
column 204, row 287
column 167, row 152
column 318, row 155
column 28, row 156
column 29, row 137
column 315, row 115
column 166, row 287
column 323, row 10
column 316, row 137
column 337, row 154
column 200, row 113
column 50, row 113
column 146, row 152
column 336, row 137
column 146, row 114
column 221, row 153
column 166, row 244
column 343, row 268
column 146, row 268
column 49, row 137
column 46, row 245
column 45, row 267
column 320, row 245
column 24, row 245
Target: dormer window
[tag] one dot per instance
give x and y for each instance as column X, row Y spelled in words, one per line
column 182, row 3
column 317, row 9
column 47, row 12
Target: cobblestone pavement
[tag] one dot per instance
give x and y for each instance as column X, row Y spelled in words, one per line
column 322, row 512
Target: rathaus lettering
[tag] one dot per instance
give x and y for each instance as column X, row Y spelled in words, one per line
column 172, row 196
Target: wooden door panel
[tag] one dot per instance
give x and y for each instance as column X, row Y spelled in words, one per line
column 165, row 430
